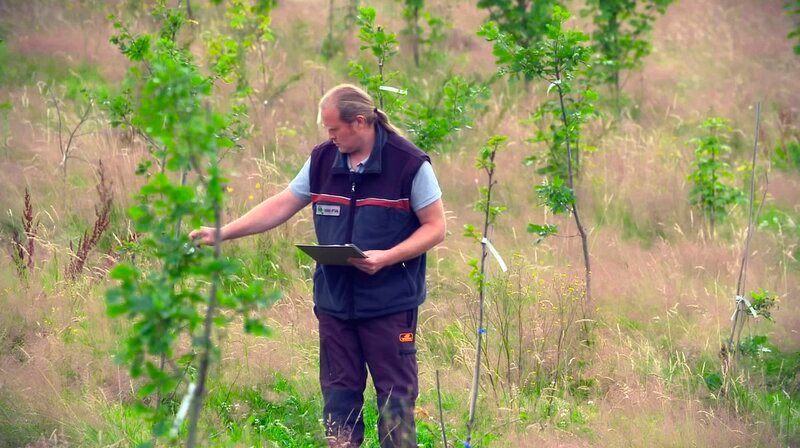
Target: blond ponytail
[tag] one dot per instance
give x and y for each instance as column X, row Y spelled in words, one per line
column 351, row 101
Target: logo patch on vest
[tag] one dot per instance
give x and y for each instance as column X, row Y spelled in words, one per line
column 328, row 210
column 406, row 337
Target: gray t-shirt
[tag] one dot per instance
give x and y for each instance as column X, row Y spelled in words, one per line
column 424, row 188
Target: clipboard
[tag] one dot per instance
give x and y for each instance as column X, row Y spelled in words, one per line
column 332, row 254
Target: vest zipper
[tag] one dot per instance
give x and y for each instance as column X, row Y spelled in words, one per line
column 350, row 223
column 352, row 214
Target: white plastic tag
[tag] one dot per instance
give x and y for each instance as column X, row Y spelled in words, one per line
column 747, row 303
column 182, row 410
column 393, row 90
column 496, row 254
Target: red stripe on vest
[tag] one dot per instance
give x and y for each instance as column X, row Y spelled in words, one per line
column 330, row 198
column 402, row 204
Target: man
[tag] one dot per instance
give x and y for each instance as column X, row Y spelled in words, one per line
column 373, row 188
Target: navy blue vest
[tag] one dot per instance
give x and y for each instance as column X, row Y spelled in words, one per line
column 371, row 210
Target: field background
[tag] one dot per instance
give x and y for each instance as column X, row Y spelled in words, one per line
column 663, row 287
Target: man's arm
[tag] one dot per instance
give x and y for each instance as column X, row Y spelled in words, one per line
column 267, row 215
column 430, row 233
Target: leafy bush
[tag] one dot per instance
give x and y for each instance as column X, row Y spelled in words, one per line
column 450, row 109
column 712, row 176
column 526, row 21
column 622, row 29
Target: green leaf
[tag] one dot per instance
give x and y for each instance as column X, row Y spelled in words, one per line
column 542, row 230
column 124, row 272
column 713, row 381
column 471, row 232
column 117, row 309
column 256, row 327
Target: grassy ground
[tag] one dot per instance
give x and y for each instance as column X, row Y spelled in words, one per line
column 664, row 287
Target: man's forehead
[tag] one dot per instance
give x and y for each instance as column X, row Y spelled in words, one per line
column 329, row 116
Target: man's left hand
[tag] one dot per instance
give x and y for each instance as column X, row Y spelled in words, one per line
column 375, row 261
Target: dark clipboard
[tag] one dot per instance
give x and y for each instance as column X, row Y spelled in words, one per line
column 332, row 254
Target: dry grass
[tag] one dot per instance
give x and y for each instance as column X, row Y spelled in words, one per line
column 648, row 402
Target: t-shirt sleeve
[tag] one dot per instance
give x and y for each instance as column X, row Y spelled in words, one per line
column 424, row 188
column 301, row 184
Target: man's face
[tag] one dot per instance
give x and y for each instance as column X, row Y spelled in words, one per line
column 346, row 136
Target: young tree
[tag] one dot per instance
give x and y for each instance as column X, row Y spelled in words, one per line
column 525, row 21
column 486, row 163
column 430, row 118
column 413, row 12
column 176, row 292
column 331, row 45
column 620, row 38
column 246, row 35
column 383, row 46
column 449, row 109
column 559, row 59
column 711, row 175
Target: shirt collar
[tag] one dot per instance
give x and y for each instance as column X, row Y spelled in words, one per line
column 373, row 163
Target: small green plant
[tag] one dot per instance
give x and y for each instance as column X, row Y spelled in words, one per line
column 712, row 176
column 526, row 21
column 622, row 29
column 452, row 107
column 763, row 302
column 383, row 46
column 793, row 9
column 413, row 12
column 486, row 163
column 175, row 292
column 767, row 385
column 247, row 33
column 560, row 59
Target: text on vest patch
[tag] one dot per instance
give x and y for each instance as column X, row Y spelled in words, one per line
column 329, row 210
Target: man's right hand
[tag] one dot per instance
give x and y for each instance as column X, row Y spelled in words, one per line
column 203, row 236
column 267, row 215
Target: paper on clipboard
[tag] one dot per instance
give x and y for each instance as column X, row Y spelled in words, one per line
column 332, row 254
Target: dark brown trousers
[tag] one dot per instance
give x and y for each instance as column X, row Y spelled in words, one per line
column 386, row 346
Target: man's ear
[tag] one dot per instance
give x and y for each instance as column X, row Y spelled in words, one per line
column 361, row 121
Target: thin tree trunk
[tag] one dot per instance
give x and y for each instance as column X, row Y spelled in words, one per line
column 415, row 34
column 441, row 412
column 205, row 356
column 481, row 291
column 713, row 192
column 742, row 281
column 575, row 213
